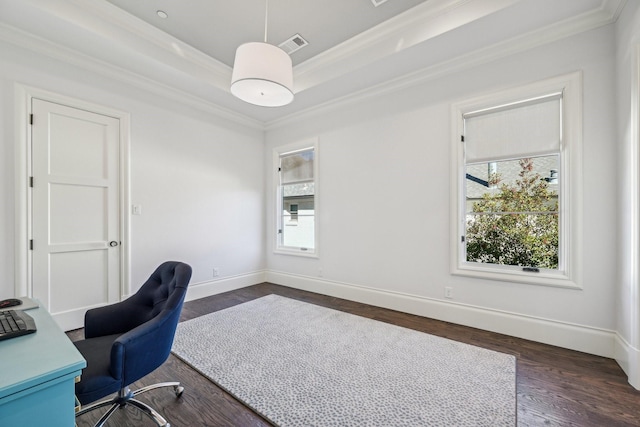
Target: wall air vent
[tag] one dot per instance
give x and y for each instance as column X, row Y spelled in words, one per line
column 294, row 43
column 377, row 3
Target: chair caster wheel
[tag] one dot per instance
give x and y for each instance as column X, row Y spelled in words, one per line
column 178, row 390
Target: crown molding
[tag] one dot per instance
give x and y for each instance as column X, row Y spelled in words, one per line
column 41, row 46
column 419, row 24
column 117, row 26
column 613, row 8
column 414, row 26
column 607, row 13
column 113, row 25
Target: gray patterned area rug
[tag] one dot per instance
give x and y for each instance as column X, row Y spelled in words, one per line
column 299, row 364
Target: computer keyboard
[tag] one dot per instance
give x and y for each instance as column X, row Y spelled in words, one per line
column 14, row 323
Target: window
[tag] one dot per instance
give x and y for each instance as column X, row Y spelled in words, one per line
column 516, row 185
column 296, row 200
column 512, row 218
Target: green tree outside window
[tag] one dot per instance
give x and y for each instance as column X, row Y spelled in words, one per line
column 517, row 225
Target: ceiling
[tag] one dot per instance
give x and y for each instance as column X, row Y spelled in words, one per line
column 218, row 27
column 354, row 47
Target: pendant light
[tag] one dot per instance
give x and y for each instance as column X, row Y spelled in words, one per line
column 262, row 73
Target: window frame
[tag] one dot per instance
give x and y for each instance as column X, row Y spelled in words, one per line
column 570, row 226
column 278, row 152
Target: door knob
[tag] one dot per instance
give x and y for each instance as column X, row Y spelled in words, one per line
column 113, row 243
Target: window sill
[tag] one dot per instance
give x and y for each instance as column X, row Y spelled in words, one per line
column 558, row 280
column 296, row 252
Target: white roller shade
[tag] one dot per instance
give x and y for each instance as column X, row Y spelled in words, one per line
column 527, row 129
column 296, row 167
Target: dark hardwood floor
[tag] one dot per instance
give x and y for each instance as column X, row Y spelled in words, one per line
column 556, row 387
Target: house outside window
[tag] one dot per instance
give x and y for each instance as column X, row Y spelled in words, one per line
column 296, row 200
column 293, row 210
column 516, row 181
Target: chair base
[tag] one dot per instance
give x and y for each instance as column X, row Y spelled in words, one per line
column 127, row 397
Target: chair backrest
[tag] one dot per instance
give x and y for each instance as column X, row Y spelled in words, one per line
column 165, row 289
column 155, row 310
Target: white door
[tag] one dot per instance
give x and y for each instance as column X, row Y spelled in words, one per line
column 75, row 211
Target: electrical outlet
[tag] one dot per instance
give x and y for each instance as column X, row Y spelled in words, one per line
column 448, row 292
column 216, row 272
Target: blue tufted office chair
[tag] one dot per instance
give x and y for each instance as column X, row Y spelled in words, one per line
column 128, row 340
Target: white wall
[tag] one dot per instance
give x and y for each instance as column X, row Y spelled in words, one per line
column 198, row 178
column 384, row 192
column 628, row 93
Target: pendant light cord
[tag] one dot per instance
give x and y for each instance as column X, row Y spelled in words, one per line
column 266, row 14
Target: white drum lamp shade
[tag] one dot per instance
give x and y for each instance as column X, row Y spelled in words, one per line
column 262, row 75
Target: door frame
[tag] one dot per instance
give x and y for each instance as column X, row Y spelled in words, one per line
column 23, row 210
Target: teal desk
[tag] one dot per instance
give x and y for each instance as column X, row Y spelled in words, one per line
column 37, row 376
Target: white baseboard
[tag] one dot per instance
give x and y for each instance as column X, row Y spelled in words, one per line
column 214, row 287
column 628, row 358
column 586, row 339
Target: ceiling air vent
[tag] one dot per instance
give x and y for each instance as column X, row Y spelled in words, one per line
column 377, row 3
column 294, row 43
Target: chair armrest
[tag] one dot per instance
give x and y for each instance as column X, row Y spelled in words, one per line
column 108, row 320
column 144, row 348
